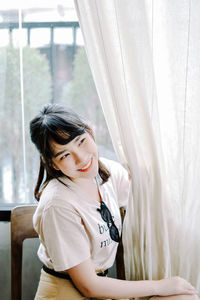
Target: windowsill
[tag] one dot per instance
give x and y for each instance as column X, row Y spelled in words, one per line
column 5, row 210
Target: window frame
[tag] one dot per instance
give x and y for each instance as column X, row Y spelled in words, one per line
column 6, row 208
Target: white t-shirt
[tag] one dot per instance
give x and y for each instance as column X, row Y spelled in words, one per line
column 71, row 229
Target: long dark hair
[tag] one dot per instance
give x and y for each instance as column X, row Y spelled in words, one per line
column 57, row 123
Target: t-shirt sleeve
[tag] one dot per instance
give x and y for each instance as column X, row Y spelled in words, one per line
column 65, row 237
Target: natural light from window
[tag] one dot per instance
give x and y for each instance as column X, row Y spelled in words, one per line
column 50, row 67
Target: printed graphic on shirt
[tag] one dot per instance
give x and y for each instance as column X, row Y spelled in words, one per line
column 103, row 229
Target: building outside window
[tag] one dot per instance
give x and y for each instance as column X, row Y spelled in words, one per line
column 42, row 60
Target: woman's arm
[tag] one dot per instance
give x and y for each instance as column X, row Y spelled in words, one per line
column 91, row 285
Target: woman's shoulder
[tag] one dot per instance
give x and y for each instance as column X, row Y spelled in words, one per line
column 113, row 166
column 58, row 192
column 119, row 179
column 55, row 197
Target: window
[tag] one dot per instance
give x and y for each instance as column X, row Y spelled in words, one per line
column 42, row 60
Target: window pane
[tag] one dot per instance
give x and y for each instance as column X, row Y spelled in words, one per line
column 53, row 71
column 11, row 156
column 40, row 37
column 63, row 36
column 19, row 36
column 4, row 37
column 79, row 38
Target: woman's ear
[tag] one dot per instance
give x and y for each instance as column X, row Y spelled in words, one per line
column 50, row 164
column 53, row 165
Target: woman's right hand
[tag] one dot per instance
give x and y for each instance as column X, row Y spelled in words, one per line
column 174, row 286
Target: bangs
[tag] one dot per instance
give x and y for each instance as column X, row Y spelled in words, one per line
column 61, row 133
column 63, row 137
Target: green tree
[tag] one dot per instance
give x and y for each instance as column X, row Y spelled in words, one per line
column 80, row 94
column 37, row 91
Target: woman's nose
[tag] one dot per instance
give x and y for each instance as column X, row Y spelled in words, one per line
column 79, row 157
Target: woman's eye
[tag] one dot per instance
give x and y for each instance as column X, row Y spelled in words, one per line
column 64, row 156
column 81, row 141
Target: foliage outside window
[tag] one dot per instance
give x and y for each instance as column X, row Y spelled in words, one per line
column 53, row 71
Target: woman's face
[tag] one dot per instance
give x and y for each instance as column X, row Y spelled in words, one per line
column 78, row 158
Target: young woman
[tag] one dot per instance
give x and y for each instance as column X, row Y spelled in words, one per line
column 78, row 217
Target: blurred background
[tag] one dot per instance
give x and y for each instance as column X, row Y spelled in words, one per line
column 42, row 60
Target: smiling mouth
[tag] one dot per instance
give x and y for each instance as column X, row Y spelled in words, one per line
column 86, row 167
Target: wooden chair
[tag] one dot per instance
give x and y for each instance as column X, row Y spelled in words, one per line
column 21, row 229
column 120, row 253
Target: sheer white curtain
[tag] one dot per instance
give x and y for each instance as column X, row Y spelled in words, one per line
column 145, row 59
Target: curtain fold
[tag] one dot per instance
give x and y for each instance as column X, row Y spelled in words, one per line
column 144, row 59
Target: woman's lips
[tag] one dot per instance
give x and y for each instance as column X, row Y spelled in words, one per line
column 87, row 167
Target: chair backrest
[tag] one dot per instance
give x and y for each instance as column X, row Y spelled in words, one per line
column 21, row 229
column 120, row 253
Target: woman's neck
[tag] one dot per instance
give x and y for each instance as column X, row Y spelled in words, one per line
column 90, row 187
